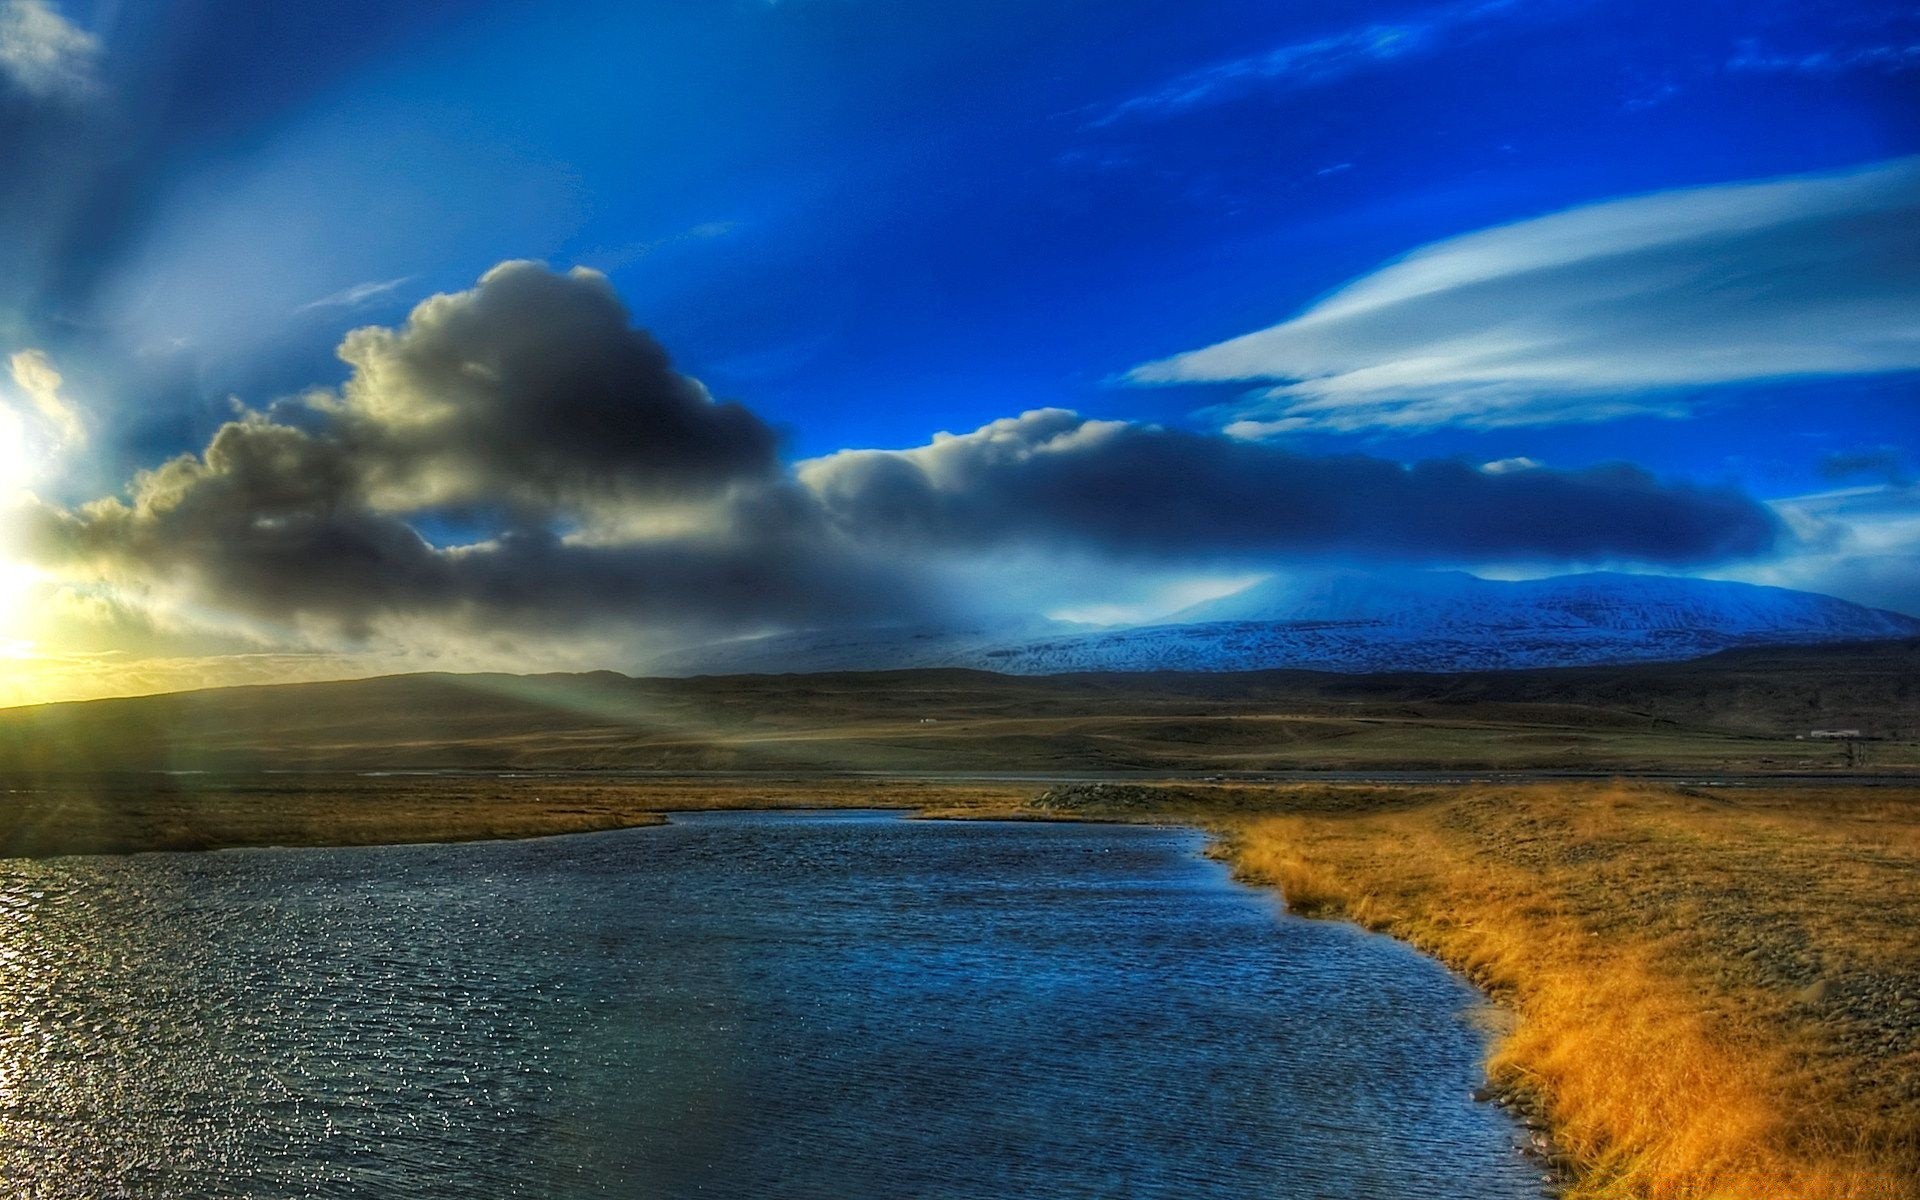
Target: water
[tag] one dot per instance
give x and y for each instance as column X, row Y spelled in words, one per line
column 735, row 1005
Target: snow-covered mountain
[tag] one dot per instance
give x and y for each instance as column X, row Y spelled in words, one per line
column 882, row 648
column 1360, row 622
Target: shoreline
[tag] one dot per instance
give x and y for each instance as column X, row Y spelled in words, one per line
column 1712, row 991
column 84, row 815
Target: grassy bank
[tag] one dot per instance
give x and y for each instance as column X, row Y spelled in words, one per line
column 127, row 814
column 1712, row 994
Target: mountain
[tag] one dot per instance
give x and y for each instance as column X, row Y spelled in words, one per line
column 883, row 648
column 1360, row 622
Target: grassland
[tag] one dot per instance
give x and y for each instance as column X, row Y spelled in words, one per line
column 1742, row 712
column 1709, row 993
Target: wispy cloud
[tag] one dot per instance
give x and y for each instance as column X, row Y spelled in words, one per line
column 616, row 257
column 1753, row 57
column 359, row 294
column 1314, row 62
column 44, row 54
column 1603, row 311
column 1859, row 542
column 39, row 383
column 39, row 427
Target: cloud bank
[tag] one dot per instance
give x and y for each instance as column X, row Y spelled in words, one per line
column 602, row 493
column 1602, row 311
column 527, row 406
column 1054, row 477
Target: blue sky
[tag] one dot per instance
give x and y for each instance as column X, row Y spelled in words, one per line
column 870, row 222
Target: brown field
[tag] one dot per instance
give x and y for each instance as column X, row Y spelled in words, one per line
column 1746, row 711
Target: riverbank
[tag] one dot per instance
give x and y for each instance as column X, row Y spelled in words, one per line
column 130, row 813
column 1712, row 994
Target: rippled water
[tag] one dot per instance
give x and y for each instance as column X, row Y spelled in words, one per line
column 735, row 1005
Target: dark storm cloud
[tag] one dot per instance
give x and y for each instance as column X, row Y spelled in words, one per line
column 614, row 493
column 266, row 521
column 1139, row 490
column 346, row 571
column 535, row 389
column 270, row 523
column 529, row 397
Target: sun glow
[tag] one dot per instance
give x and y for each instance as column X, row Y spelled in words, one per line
column 17, row 580
column 16, row 589
column 16, row 460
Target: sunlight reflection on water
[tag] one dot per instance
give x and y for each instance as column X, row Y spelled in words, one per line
column 732, row 1005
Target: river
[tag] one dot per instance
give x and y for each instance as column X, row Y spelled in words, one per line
column 832, row 1005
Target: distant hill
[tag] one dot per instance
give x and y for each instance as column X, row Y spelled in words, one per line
column 1361, row 622
column 1744, row 707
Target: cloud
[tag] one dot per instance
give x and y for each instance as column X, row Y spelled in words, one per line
column 38, row 429
column 1859, row 542
column 534, row 389
column 39, row 385
column 1599, row 312
column 1054, row 477
column 1315, row 62
column 609, row 489
column 614, row 258
column 43, row 54
column 358, row 294
column 609, row 497
column 272, row 525
column 1891, row 57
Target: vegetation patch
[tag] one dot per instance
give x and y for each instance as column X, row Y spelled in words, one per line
column 1711, row 997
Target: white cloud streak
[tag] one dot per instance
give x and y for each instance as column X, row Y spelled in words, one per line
column 1315, row 62
column 1603, row 311
column 359, row 294
column 1892, row 57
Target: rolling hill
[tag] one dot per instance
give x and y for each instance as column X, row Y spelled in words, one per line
column 1746, row 706
column 1360, row 623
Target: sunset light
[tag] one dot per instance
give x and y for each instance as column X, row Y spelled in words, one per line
column 16, row 584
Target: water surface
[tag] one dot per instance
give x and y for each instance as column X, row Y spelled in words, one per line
column 734, row 1005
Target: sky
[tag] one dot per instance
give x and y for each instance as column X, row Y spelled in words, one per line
column 354, row 337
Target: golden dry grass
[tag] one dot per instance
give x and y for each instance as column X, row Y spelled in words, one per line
column 1712, row 996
